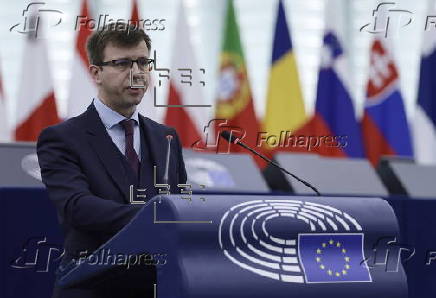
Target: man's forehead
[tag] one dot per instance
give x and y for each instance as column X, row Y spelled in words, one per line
column 117, row 51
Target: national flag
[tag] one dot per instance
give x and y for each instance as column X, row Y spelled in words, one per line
column 285, row 105
column 384, row 125
column 134, row 18
column 146, row 107
column 235, row 102
column 4, row 126
column 185, row 88
column 82, row 86
column 424, row 127
column 36, row 103
column 334, row 126
column 333, row 258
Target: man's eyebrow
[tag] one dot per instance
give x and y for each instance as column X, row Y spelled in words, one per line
column 130, row 58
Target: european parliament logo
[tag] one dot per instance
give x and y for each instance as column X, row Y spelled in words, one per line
column 255, row 236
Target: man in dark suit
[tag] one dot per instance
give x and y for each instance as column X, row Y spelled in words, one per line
column 91, row 162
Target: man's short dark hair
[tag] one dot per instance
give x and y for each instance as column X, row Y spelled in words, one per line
column 119, row 34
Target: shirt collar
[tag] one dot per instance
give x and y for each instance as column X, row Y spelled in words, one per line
column 109, row 117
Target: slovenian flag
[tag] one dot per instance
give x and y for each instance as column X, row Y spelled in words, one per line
column 425, row 114
column 384, row 125
column 333, row 129
column 334, row 111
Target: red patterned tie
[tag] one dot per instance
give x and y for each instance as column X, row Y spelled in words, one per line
column 130, row 153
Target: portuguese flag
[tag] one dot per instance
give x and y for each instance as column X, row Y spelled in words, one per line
column 234, row 106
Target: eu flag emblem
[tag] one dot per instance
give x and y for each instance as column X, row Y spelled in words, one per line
column 327, row 258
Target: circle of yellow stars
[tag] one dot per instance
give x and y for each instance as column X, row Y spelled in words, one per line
column 333, row 244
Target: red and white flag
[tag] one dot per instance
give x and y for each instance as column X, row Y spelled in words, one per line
column 82, row 86
column 36, row 103
column 186, row 88
column 146, row 107
column 4, row 128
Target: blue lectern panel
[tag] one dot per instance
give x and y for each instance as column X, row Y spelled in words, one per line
column 418, row 180
column 31, row 243
column 259, row 246
column 333, row 176
column 19, row 165
column 223, row 172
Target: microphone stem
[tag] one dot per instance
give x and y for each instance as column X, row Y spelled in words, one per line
column 276, row 165
column 167, row 162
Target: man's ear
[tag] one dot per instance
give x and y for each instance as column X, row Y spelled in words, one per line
column 95, row 70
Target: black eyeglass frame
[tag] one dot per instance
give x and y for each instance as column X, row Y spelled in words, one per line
column 116, row 63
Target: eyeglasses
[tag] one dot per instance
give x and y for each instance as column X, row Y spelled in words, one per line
column 143, row 63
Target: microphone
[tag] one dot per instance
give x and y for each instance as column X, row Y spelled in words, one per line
column 167, row 162
column 225, row 134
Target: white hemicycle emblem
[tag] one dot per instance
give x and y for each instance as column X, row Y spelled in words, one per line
column 246, row 240
column 30, row 165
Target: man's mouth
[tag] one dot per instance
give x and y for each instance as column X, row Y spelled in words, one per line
column 137, row 85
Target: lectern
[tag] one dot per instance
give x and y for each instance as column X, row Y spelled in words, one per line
column 257, row 246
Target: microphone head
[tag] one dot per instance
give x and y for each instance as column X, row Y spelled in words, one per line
column 227, row 135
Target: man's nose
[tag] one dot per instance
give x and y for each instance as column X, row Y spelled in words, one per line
column 135, row 68
column 137, row 74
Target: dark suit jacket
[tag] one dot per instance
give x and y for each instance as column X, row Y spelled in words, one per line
column 87, row 181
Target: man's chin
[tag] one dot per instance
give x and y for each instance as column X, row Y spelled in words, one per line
column 135, row 95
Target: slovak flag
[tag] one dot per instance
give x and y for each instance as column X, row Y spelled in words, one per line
column 425, row 115
column 384, row 125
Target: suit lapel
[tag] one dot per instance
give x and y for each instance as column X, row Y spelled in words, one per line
column 106, row 151
column 156, row 142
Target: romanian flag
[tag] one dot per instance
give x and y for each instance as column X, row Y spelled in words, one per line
column 235, row 103
column 285, row 105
